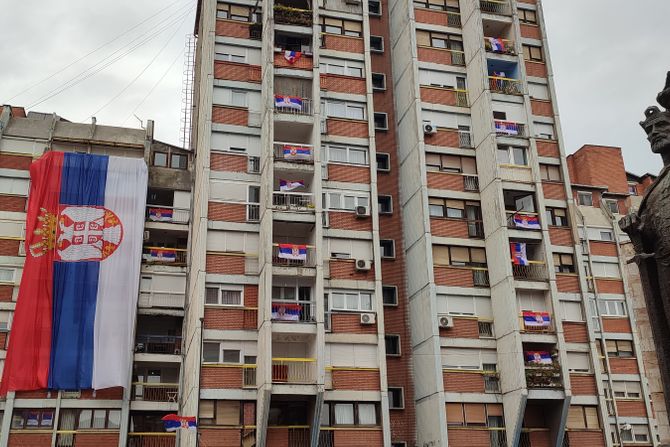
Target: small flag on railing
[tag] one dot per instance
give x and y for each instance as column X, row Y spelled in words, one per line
column 538, row 357
column 526, row 221
column 497, row 45
column 292, row 56
column 518, row 250
column 536, row 319
column 293, row 252
column 162, row 255
column 160, row 215
column 290, row 185
column 297, row 152
column 174, row 422
column 507, row 128
column 286, row 311
column 288, row 102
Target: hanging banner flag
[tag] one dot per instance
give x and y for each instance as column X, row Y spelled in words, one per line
column 75, row 312
column 290, row 185
column 161, row 255
column 160, row 215
column 526, row 221
column 518, row 250
column 286, row 311
column 297, row 152
column 507, row 128
column 538, row 357
column 174, row 422
column 293, row 252
column 292, row 56
column 536, row 319
column 288, row 102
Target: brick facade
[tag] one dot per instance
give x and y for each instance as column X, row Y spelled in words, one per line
column 444, row 138
column 431, row 17
column 228, row 162
column 6, row 293
column 435, row 55
column 591, row 438
column 536, row 69
column 348, row 221
column 602, row 248
column 227, row 212
column 567, row 282
column 530, row 31
column 548, row 148
column 620, row 325
column 541, row 107
column 446, row 180
column 449, row 227
column 458, row 382
column 220, row 377
column 350, row 323
column 346, row 269
column 232, row 28
column 360, row 380
column 305, row 62
column 583, row 384
column 359, row 438
column 575, row 332
column 631, row 408
column 348, row 173
column 343, row 43
column 20, row 162
column 230, row 319
column 599, row 166
column 453, row 276
column 343, row 84
column 347, row 127
column 225, row 264
column 623, row 365
column 561, row 236
column 235, row 116
column 235, row 71
column 28, row 439
column 463, row 328
column 9, row 247
column 470, row 438
column 439, row 95
column 610, row 286
column 12, row 203
column 553, row 190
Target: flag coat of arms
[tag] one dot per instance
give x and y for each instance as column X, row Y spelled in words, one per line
column 290, row 185
column 518, row 250
column 293, row 252
column 292, row 56
column 538, row 357
column 78, row 295
column 527, row 221
column 297, row 152
column 174, row 422
column 288, row 102
column 536, row 319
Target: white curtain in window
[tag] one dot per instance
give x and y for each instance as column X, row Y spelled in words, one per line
column 344, row 414
column 367, row 414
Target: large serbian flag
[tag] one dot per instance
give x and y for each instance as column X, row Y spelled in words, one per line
column 76, row 306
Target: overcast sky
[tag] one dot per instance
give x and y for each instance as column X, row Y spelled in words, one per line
column 609, row 59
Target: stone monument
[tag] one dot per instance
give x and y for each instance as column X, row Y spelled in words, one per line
column 649, row 231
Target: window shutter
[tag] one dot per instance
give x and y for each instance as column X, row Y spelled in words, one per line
column 475, row 414
column 494, row 409
column 592, row 420
column 440, row 255
column 455, row 414
column 576, row 417
column 227, row 412
column 206, row 409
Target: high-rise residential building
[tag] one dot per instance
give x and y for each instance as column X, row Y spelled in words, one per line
column 115, row 416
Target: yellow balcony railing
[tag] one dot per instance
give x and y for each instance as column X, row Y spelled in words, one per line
column 293, row 370
column 506, row 86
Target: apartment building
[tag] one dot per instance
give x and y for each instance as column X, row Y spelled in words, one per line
column 109, row 417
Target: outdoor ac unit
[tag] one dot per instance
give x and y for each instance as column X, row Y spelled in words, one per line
column 368, row 318
column 429, row 128
column 352, row 2
column 446, row 321
column 362, row 211
column 146, row 235
column 363, row 264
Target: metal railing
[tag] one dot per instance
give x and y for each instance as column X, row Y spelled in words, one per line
column 164, row 255
column 152, row 298
column 294, row 370
column 304, row 108
column 495, row 7
column 160, row 213
column 457, row 57
column 454, row 19
column 254, row 165
column 249, row 376
column 464, row 139
column 498, row 438
column 282, row 259
column 524, row 439
column 151, row 439
column 461, row 98
column 298, row 437
column 294, row 311
column 158, row 344
column 507, row 86
column 471, row 183
column 534, row 271
column 293, row 201
column 548, row 376
column 293, row 152
column 256, row 31
column 480, row 277
column 476, row 229
column 503, row 46
column 485, row 329
column 155, row 392
column 509, row 129
column 491, row 383
column 326, row 438
column 253, row 212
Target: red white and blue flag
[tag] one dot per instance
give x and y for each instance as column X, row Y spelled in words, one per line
column 293, row 252
column 292, row 56
column 161, row 255
column 526, row 221
column 286, row 311
column 497, row 45
column 536, row 319
column 507, row 128
column 288, row 102
column 538, row 357
column 518, row 250
column 174, row 422
column 290, row 185
column 78, row 294
column 292, row 152
column 160, row 214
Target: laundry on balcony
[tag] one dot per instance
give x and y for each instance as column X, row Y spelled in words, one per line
column 518, row 250
column 292, row 152
column 538, row 357
column 290, row 185
column 293, row 252
column 161, row 255
column 536, row 320
column 292, row 56
column 160, row 215
column 527, row 221
column 286, row 311
column 288, row 102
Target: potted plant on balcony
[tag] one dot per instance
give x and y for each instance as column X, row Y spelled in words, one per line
column 293, row 16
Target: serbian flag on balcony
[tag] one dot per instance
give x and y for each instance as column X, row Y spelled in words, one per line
column 162, row 255
column 507, row 128
column 536, row 319
column 292, row 56
column 497, row 45
column 538, row 357
column 288, row 102
column 297, row 152
column 286, row 311
column 76, row 305
column 160, row 215
column 526, row 221
column 290, row 185
column 518, row 250
column 293, row 252
column 174, row 422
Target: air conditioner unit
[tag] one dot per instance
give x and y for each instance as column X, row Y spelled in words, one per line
column 362, row 211
column 446, row 321
column 147, row 235
column 363, row 264
column 352, row 2
column 429, row 128
column 368, row 318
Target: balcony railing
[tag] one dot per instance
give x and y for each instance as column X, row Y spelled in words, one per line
column 164, row 255
column 326, row 438
column 151, row 439
column 293, row 201
column 256, row 31
column 471, row 183
column 293, row 105
column 485, row 329
column 253, row 212
column 254, row 165
column 501, row 7
column 464, row 139
column 293, row 311
column 292, row 16
column 534, row 271
column 457, row 58
column 500, row 46
column 294, row 370
column 249, row 376
column 480, row 277
column 547, row 376
column 515, row 173
column 160, row 213
column 506, row 86
column 476, row 229
column 509, row 129
column 158, row 344
column 491, row 382
column 454, row 19
column 293, row 255
column 294, row 153
column 155, row 392
column 152, row 298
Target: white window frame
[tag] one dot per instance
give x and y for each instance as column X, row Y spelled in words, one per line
column 579, row 370
column 388, row 161
column 609, row 238
column 628, row 394
column 395, row 294
column 386, row 120
column 397, row 337
column 510, row 155
column 391, row 256
column 374, row 14
column 347, row 294
column 584, row 194
column 224, row 288
column 348, row 68
column 383, row 77
column 348, row 150
column 5, row 320
column 12, row 273
column 230, row 57
column 381, row 40
column 348, row 106
column 359, row 200
column 390, row 199
column 609, row 203
column 612, row 307
column 239, row 93
column 402, row 397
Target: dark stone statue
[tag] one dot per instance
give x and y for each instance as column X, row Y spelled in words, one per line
column 649, row 231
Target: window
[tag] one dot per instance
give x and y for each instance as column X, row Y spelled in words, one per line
column 440, row 40
column 32, row 419
column 347, row 154
column 579, row 362
column 606, row 236
column 381, row 121
column 551, row 173
column 632, row 189
column 161, row 159
column 637, row 433
column 229, row 57
column 173, row 160
column 392, row 344
column 385, row 204
column 238, row 98
column 383, row 162
column 527, row 16
column 231, row 356
column 583, row 417
column 502, row 116
column 627, row 390
column 254, row 194
column 350, row 300
column 226, row 412
column 585, row 198
column 564, row 263
column 472, row 415
column 533, row 53
column 378, row 81
column 343, row 201
column 512, row 155
column 341, row 109
column 178, row 161
column 233, row 12
column 223, row 295
column 5, row 317
column 440, row 5
column 387, row 248
column 349, row 413
column 557, row 217
column 571, row 311
column 345, row 27
column 212, row 353
column 453, row 209
column 341, row 67
column 377, row 44
column 451, row 163
column 459, row 256
column 612, row 205
column 390, row 295
column 7, row 275
column 612, row 308
column 606, row 270
column 374, row 7
column 396, row 398
column 98, row 418
column 620, row 348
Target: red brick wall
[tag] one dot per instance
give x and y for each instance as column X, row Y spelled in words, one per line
column 231, row 318
column 225, row 264
column 360, row 380
column 347, row 128
column 343, row 43
column 343, row 84
column 469, row 438
column 599, row 166
column 235, row 71
column 575, row 332
column 359, row 438
column 445, row 180
column 431, row 17
column 567, row 282
column 541, row 107
column 115, row 393
column 540, row 439
column 449, row 227
column 228, row 162
column 6, row 293
column 348, row 173
column 536, row 69
column 589, row 438
column 532, row 2
column 345, row 269
column 600, row 248
column 21, row 162
column 560, row 236
column 443, row 138
column 350, row 323
column 304, row 63
column 36, row 394
column 583, row 385
column 621, row 325
column 438, row 95
column 610, row 286
column 217, row 377
column 463, row 328
column 232, row 28
column 553, row 190
column 96, row 440
column 12, row 203
column 453, row 276
column 29, row 440
column 434, row 55
column 548, row 149
column 227, row 212
column 623, row 365
column 463, row 382
column 219, row 437
column 530, row 31
column 277, row 437
column 631, row 408
column 3, row 340
column 230, row 115
column 9, row 247
column 349, row 221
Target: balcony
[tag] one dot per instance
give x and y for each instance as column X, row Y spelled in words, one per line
column 293, row 255
column 500, row 7
column 291, row 311
column 499, row 46
column 168, row 300
column 293, row 201
column 287, row 15
column 520, row 220
column 505, row 86
column 535, row 322
column 157, row 439
column 293, row 153
column 168, row 214
column 534, row 271
column 293, row 105
column 543, row 376
column 158, row 344
column 164, row 256
column 509, row 129
column 155, row 392
column 515, row 173
column 294, row 370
